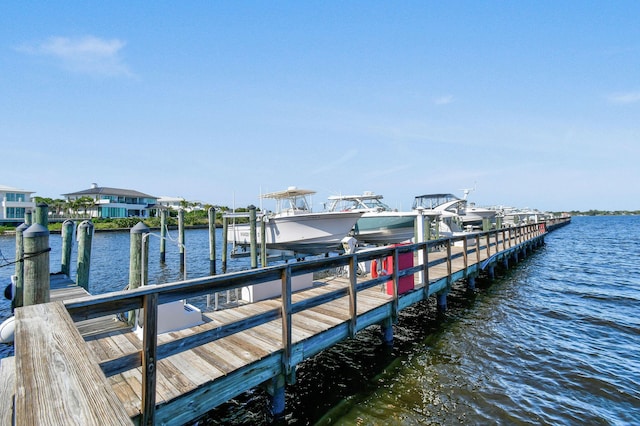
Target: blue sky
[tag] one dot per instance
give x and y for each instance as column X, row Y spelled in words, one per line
column 535, row 104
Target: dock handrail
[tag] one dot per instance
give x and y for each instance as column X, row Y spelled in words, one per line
column 149, row 297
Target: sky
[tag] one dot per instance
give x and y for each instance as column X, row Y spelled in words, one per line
column 532, row 104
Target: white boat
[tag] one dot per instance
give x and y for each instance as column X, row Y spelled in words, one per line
column 294, row 227
column 379, row 223
column 516, row 216
column 451, row 211
column 473, row 215
column 457, row 211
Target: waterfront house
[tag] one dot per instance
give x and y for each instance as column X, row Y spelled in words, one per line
column 112, row 202
column 177, row 203
column 14, row 204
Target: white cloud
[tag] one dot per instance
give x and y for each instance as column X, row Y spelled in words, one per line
column 86, row 55
column 443, row 100
column 624, row 98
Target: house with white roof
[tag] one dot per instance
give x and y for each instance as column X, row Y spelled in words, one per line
column 177, row 203
column 114, row 202
column 14, row 203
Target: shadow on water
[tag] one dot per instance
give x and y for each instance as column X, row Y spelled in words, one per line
column 332, row 382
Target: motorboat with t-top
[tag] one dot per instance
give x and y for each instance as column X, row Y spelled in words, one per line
column 294, row 227
column 379, row 223
column 457, row 213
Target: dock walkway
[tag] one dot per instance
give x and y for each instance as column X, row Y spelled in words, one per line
column 82, row 366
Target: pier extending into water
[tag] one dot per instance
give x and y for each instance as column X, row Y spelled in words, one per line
column 76, row 364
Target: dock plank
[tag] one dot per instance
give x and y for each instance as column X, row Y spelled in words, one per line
column 8, row 389
column 50, row 350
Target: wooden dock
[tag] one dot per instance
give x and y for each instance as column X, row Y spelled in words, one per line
column 76, row 364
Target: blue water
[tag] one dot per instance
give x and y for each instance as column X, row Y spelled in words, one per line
column 109, row 269
column 553, row 340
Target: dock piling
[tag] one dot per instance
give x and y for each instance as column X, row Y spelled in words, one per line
column 136, row 261
column 18, row 298
column 42, row 214
column 67, row 245
column 181, row 238
column 212, row 240
column 225, row 243
column 163, row 235
column 85, row 237
column 252, row 234
column 36, row 265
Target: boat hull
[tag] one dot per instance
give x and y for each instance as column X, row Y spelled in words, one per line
column 308, row 233
column 385, row 228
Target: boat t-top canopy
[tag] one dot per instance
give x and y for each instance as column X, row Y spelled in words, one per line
column 290, row 192
column 291, row 201
column 431, row 201
column 367, row 202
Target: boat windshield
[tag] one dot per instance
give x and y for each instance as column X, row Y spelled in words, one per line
column 431, row 201
column 367, row 202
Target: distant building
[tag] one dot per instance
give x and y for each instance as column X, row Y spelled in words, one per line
column 14, row 203
column 176, row 203
column 113, row 202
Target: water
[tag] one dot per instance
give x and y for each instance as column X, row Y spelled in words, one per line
column 553, row 340
column 109, row 270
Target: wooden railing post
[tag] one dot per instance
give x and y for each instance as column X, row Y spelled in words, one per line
column 425, row 268
column 149, row 358
column 286, row 319
column 448, row 261
column 488, row 237
column 464, row 255
column 396, row 283
column 353, row 300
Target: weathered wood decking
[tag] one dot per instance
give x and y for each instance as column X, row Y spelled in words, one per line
column 181, row 375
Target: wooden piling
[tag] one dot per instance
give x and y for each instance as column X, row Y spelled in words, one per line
column 276, row 391
column 181, row 238
column 212, row 240
column 263, row 243
column 471, row 282
column 225, row 243
column 67, row 245
column 387, row 331
column 42, row 214
column 252, row 234
column 28, row 217
column 441, row 301
column 36, row 264
column 18, row 298
column 163, row 235
column 136, row 261
column 85, row 237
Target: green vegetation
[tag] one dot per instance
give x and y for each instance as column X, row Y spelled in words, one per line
column 605, row 213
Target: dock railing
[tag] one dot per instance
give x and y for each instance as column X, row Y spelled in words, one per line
column 477, row 246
